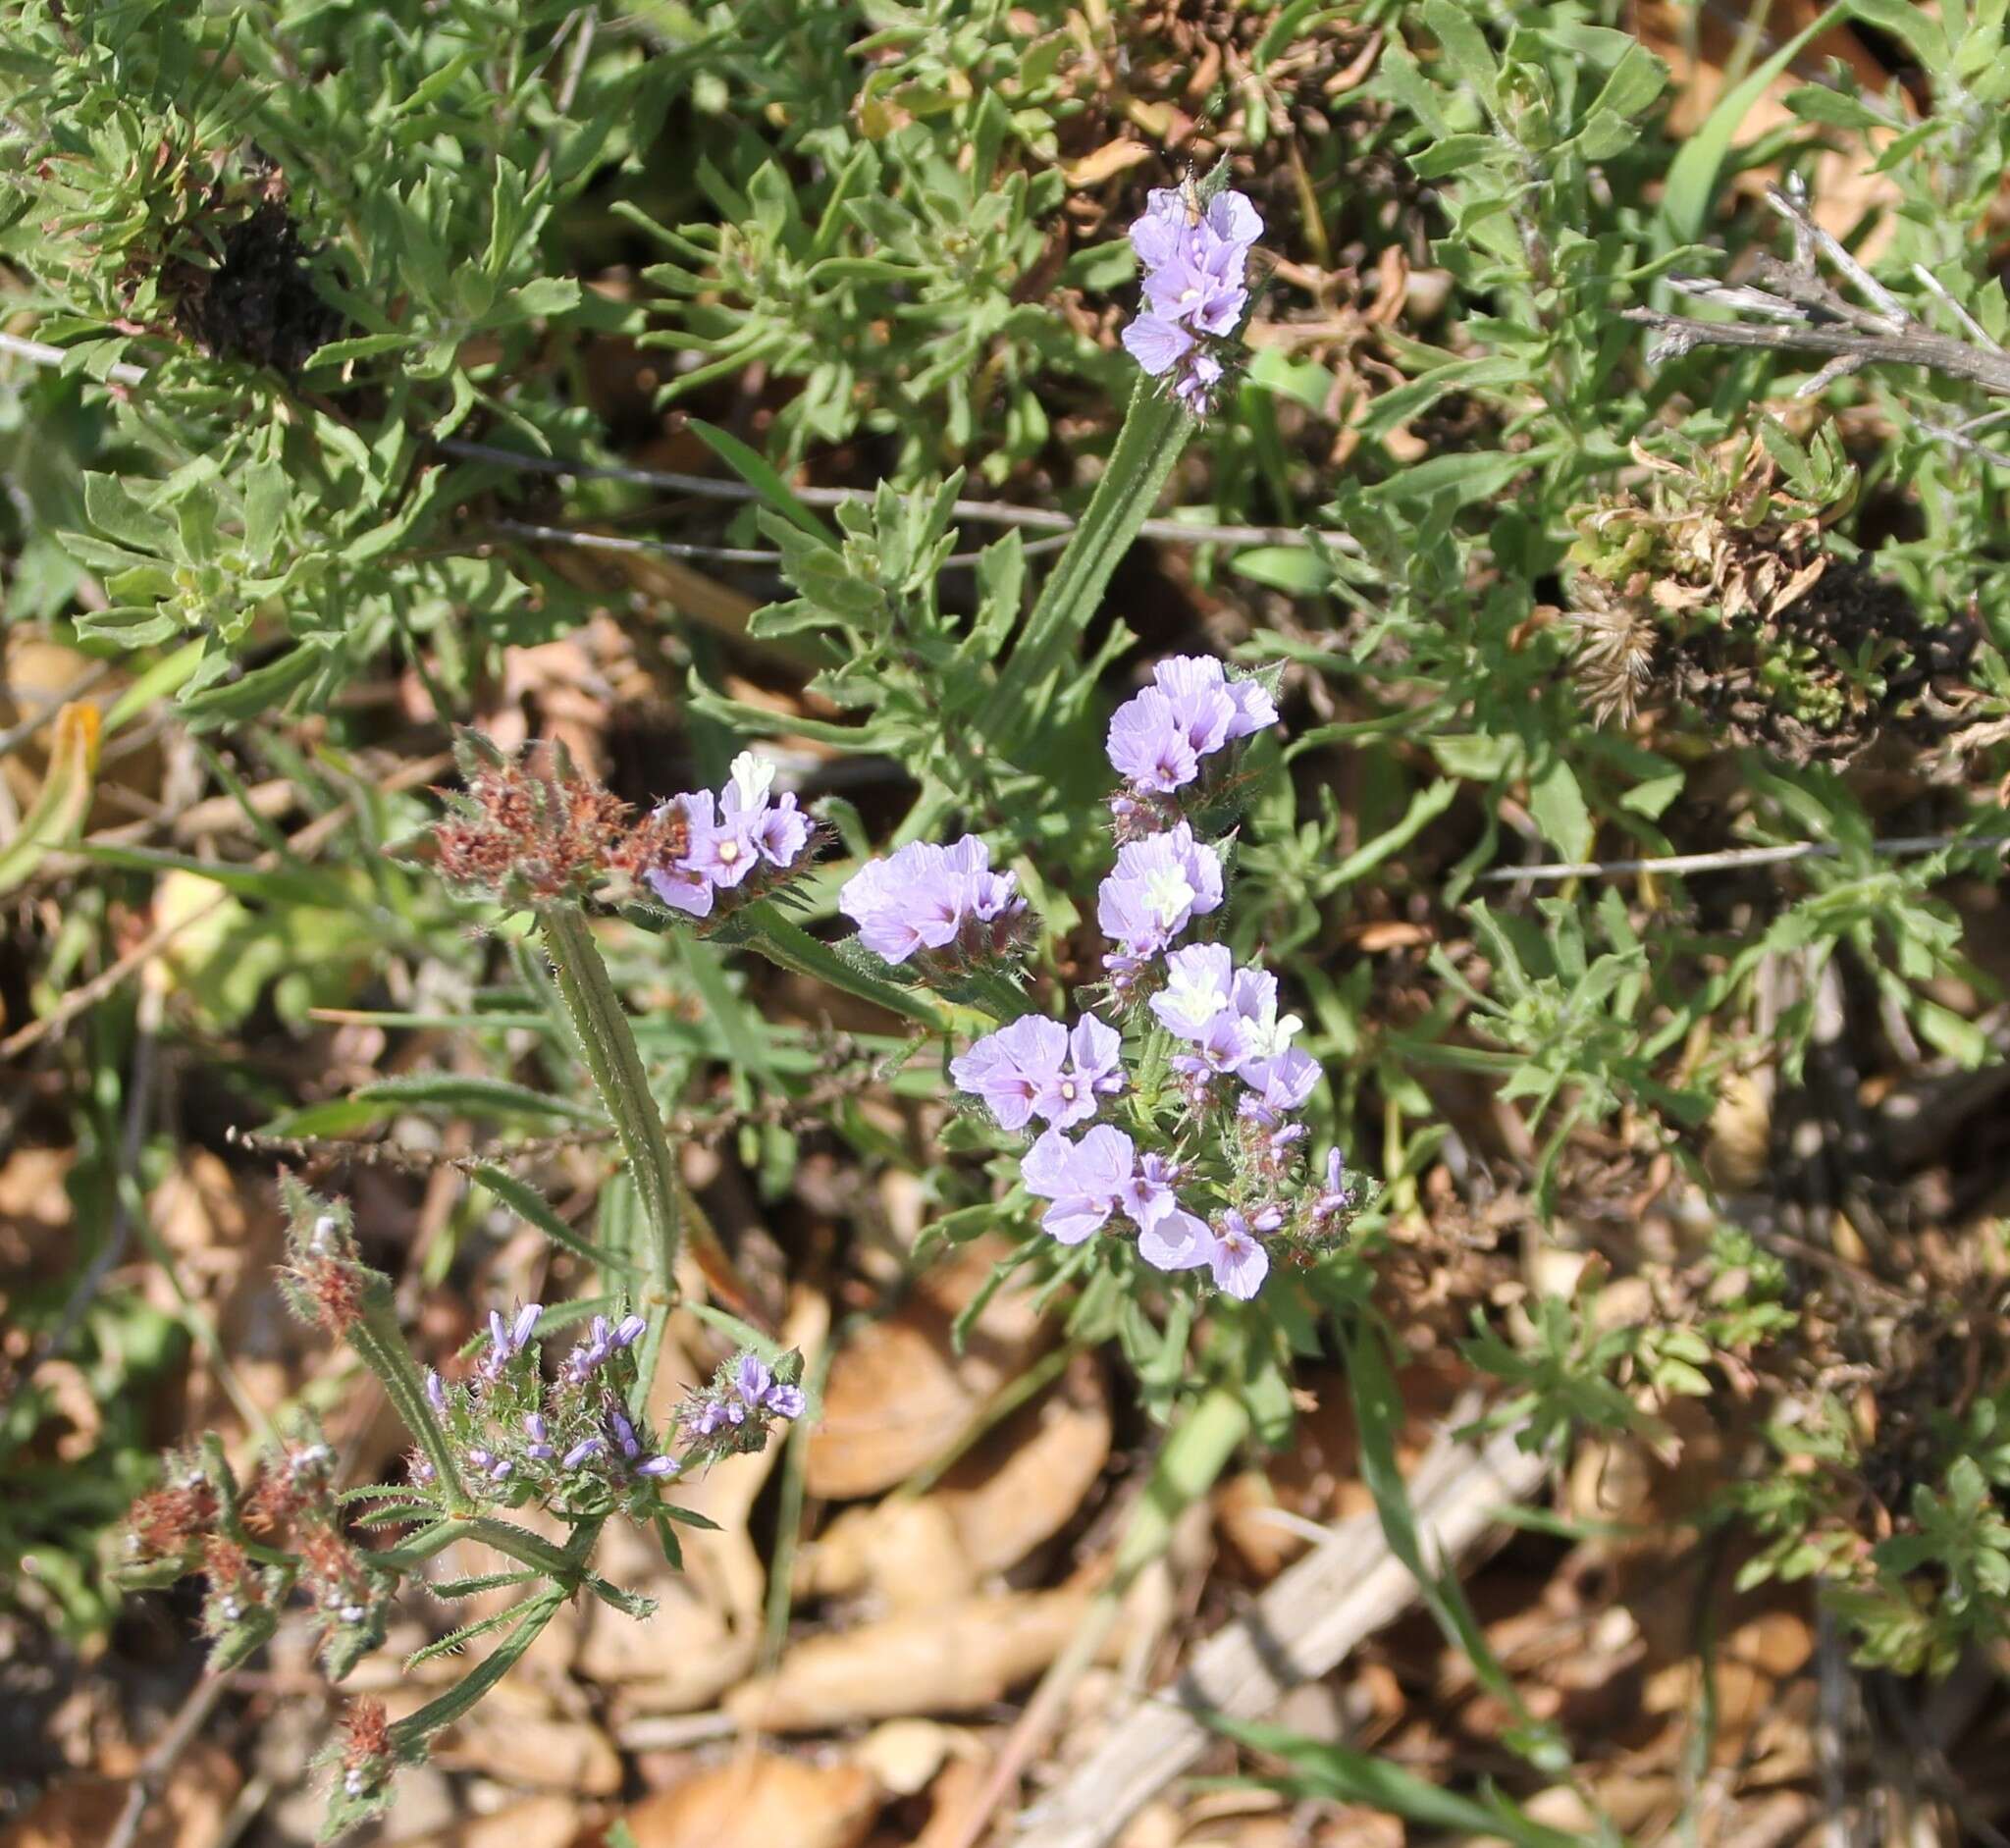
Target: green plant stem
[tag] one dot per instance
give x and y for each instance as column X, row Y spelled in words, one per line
column 376, row 1335
column 1155, row 430
column 793, row 948
column 599, row 1025
column 412, row 1732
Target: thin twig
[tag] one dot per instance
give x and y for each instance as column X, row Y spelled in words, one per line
column 979, row 512
column 44, row 355
column 1817, row 319
column 152, row 1776
column 716, row 554
column 1731, row 857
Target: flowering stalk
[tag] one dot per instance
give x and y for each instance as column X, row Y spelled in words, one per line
column 607, row 1045
column 1155, row 430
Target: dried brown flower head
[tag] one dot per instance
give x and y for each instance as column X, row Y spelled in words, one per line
column 530, row 838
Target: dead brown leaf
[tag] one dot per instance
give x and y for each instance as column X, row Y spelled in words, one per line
column 761, row 1800
column 899, row 1396
column 943, row 1660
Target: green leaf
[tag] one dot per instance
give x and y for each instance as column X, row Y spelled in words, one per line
column 470, row 1095
column 531, row 1206
column 1558, row 805
column 1691, row 183
column 757, row 474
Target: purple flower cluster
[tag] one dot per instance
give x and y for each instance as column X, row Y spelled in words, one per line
column 1200, row 1111
column 737, row 842
column 733, row 1415
column 573, row 1442
column 942, row 903
column 1190, row 710
column 1196, row 262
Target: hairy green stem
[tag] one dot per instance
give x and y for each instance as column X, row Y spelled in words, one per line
column 607, row 1044
column 412, row 1732
column 793, row 948
column 376, row 1335
column 1155, row 430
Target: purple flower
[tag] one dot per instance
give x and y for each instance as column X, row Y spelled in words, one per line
column 1159, row 736
column 1221, row 1047
column 778, row 830
column 1159, row 886
column 1158, row 344
column 624, row 1433
column 1338, row 1193
column 1177, row 1242
column 1195, row 692
column 1237, row 1257
column 1147, row 745
column 1148, row 1196
column 1252, row 998
column 1036, row 1067
column 680, row 886
column 657, row 1466
column 785, row 1401
column 628, row 1331
column 752, row 1377
column 921, row 896
column 580, row 1452
column 1196, row 290
column 1195, row 388
column 1199, row 981
column 507, row 1340
column 1084, row 1179
column 710, row 1416
column 436, row 1391
column 535, row 1429
column 1277, row 1085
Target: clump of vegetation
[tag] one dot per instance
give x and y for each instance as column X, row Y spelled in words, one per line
column 743, row 654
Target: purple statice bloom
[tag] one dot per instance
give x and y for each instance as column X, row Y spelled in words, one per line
column 1252, row 998
column 1159, row 886
column 1084, row 1179
column 657, row 1466
column 1147, row 1197
column 1195, row 265
column 1277, row 1085
column 436, row 1389
column 1199, row 982
column 536, row 1430
column 752, row 1377
column 920, row 897
column 1196, row 694
column 1012, row 1069
column 1236, row 1256
column 1221, row 1047
column 778, row 830
column 507, row 1340
column 1158, row 344
column 601, row 1343
column 1336, row 1195
column 710, row 1416
column 725, row 853
column 580, row 1452
column 1179, row 1242
column 680, row 886
column 1036, row 1067
column 785, row 1400
column 1195, row 388
column 1147, row 746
